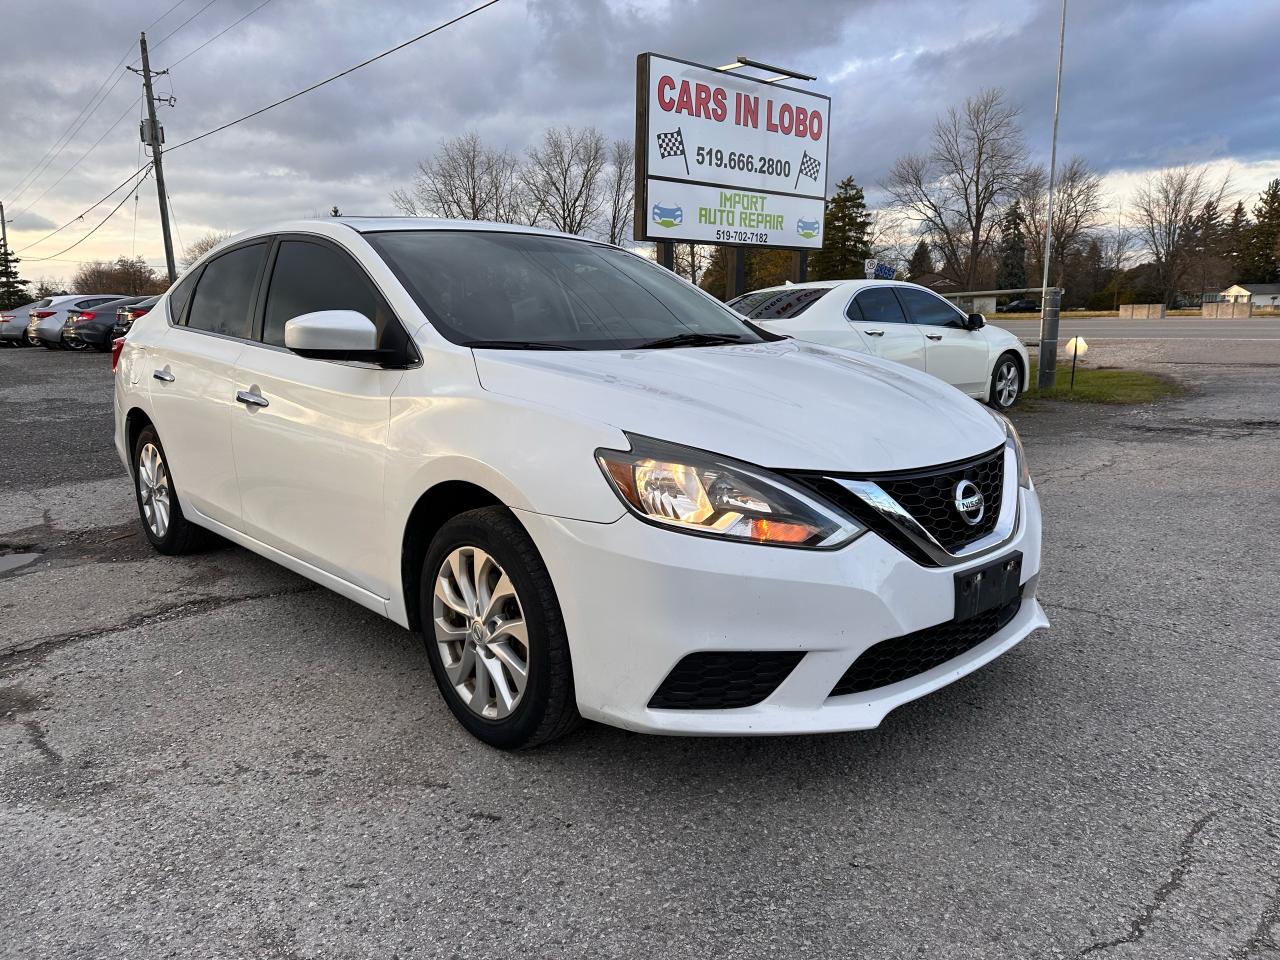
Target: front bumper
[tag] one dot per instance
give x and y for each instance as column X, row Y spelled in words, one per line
column 637, row 599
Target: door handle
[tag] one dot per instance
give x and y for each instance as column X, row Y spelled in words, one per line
column 250, row 399
column 934, row 336
column 874, row 333
column 164, row 376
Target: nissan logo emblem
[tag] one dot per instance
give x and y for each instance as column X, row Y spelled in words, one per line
column 969, row 502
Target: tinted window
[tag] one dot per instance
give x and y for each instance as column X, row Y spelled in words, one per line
column 879, row 305
column 180, row 295
column 224, row 294
column 41, row 304
column 930, row 310
column 93, row 302
column 778, row 304
column 310, row 276
column 513, row 287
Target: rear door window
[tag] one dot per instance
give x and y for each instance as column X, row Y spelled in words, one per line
column 181, row 296
column 877, row 305
column 223, row 300
column 308, row 277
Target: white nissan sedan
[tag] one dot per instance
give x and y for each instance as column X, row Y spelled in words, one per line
column 591, row 488
column 899, row 321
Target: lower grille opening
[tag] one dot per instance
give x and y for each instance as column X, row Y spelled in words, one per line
column 901, row 658
column 720, row 680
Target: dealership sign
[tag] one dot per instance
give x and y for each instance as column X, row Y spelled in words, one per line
column 724, row 158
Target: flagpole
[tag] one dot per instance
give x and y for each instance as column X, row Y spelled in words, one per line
column 1047, row 357
column 802, row 160
column 683, row 153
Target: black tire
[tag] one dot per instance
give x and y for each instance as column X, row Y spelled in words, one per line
column 547, row 708
column 180, row 535
column 30, row 341
column 76, row 346
column 104, row 346
column 1006, row 365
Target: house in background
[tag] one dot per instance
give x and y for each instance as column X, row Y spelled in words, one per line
column 1259, row 294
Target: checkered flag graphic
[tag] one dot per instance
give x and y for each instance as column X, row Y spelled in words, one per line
column 672, row 145
column 809, row 167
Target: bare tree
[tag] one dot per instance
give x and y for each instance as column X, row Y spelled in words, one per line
column 1078, row 206
column 691, row 260
column 125, row 276
column 202, row 245
column 1165, row 209
column 954, row 192
column 465, row 180
column 564, row 179
column 621, row 189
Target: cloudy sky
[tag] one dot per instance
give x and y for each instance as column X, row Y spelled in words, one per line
column 1147, row 83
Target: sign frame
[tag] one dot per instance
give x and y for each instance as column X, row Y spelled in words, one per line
column 640, row 218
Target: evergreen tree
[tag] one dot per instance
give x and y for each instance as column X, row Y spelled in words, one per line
column 921, row 261
column 1234, row 236
column 1260, row 256
column 1011, row 273
column 13, row 289
column 845, row 244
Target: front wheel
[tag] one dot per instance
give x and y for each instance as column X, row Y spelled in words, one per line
column 494, row 632
column 1006, row 382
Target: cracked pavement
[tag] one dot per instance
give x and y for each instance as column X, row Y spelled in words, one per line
column 210, row 757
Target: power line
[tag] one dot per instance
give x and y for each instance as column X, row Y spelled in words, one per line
column 122, row 202
column 336, row 76
column 183, row 23
column 97, row 203
column 119, row 120
column 235, row 23
column 69, row 133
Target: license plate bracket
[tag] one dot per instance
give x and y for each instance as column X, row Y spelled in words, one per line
column 989, row 586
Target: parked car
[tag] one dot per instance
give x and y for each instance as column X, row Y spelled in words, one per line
column 547, row 456
column 898, row 321
column 46, row 318
column 13, row 325
column 1025, row 305
column 94, row 326
column 126, row 315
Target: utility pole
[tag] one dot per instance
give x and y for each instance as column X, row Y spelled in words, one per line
column 1047, row 373
column 153, row 136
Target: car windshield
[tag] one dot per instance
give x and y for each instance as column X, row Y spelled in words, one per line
column 766, row 305
column 527, row 291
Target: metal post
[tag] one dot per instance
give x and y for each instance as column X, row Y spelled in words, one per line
column 1074, row 353
column 800, row 266
column 666, row 255
column 735, row 272
column 156, row 151
column 1048, row 357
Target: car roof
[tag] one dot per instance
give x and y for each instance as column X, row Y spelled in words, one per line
column 849, row 284
column 386, row 224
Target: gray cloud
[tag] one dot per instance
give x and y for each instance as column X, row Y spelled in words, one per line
column 1147, row 83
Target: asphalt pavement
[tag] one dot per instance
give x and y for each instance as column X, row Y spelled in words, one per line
column 1170, row 328
column 210, row 757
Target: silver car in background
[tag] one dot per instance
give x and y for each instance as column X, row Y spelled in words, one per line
column 13, row 325
column 46, row 318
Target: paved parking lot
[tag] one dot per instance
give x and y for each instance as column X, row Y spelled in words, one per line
column 209, row 757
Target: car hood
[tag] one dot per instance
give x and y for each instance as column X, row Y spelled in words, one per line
column 782, row 404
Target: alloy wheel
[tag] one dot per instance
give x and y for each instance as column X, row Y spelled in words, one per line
column 481, row 633
column 1007, row 383
column 153, row 490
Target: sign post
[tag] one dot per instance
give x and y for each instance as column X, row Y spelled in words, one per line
column 727, row 159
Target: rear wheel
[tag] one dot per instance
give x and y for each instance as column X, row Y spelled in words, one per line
column 494, row 632
column 76, row 345
column 158, row 507
column 1006, row 382
column 30, row 339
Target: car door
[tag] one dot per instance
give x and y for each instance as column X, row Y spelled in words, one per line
column 192, row 382
column 952, row 352
column 310, row 437
column 878, row 317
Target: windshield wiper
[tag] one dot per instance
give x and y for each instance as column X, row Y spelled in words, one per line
column 693, row 340
column 517, row 345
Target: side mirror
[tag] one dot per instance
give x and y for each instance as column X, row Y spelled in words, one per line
column 334, row 335
column 975, row 321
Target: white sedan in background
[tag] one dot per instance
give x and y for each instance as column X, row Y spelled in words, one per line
column 898, row 321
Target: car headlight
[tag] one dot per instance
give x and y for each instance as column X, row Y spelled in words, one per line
column 1012, row 439
column 705, row 494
